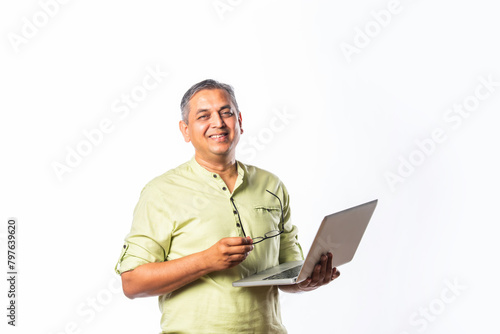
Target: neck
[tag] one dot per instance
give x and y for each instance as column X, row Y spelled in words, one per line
column 222, row 167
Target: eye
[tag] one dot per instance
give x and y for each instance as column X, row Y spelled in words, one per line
column 228, row 113
column 202, row 117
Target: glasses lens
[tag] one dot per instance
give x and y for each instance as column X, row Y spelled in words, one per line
column 257, row 239
column 271, row 234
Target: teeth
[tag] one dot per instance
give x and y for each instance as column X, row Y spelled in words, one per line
column 217, row 136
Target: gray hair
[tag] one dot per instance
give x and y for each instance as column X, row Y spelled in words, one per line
column 205, row 84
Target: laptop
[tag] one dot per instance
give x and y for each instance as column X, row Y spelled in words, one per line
column 339, row 233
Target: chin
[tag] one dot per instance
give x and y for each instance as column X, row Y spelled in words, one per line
column 221, row 152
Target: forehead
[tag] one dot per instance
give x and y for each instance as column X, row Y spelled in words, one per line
column 209, row 99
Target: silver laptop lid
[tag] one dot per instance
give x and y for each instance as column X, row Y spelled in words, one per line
column 340, row 234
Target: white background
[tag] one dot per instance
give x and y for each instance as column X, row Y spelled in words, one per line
column 351, row 120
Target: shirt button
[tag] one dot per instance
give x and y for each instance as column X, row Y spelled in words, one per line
column 215, row 175
column 224, row 188
column 235, row 212
column 238, row 225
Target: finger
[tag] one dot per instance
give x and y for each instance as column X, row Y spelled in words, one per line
column 236, row 258
column 238, row 249
column 329, row 269
column 315, row 275
column 335, row 274
column 324, row 260
column 237, row 241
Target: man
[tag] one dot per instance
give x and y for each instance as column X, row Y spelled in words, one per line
column 194, row 227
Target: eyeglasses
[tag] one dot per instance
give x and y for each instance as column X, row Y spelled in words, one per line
column 268, row 235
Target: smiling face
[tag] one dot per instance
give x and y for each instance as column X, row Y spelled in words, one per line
column 214, row 126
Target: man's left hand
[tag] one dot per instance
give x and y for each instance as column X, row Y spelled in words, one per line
column 323, row 274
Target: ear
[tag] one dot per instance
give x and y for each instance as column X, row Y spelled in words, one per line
column 240, row 121
column 185, row 131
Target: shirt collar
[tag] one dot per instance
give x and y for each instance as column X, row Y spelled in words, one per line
column 200, row 170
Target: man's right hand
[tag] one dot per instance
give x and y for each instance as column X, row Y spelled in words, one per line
column 228, row 252
column 159, row 278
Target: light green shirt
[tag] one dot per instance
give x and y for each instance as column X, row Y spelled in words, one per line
column 187, row 210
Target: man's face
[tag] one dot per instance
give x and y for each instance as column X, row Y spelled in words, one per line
column 214, row 127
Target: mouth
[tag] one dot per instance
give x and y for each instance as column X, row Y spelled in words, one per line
column 219, row 136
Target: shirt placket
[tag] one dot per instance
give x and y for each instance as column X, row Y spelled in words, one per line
column 221, row 185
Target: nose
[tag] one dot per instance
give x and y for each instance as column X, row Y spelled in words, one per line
column 217, row 121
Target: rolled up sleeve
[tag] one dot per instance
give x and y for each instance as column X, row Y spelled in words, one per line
column 150, row 235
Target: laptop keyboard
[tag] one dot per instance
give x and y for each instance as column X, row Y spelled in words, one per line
column 289, row 273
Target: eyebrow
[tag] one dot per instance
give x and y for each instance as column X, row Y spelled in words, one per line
column 227, row 106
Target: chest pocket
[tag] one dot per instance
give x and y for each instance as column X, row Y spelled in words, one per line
column 267, row 218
